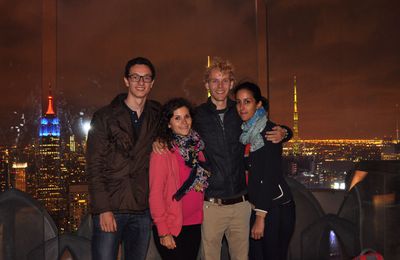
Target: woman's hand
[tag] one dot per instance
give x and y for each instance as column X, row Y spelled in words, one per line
column 168, row 241
column 257, row 230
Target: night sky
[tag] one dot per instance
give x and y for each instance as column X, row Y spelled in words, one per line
column 345, row 55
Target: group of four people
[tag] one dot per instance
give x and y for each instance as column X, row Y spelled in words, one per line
column 196, row 174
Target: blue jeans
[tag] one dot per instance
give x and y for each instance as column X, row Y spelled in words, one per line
column 132, row 229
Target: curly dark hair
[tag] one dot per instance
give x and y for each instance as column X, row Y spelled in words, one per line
column 164, row 133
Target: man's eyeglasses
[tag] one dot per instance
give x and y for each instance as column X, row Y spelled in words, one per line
column 137, row 78
column 224, row 82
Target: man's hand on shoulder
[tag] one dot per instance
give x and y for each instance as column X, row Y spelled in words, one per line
column 159, row 147
column 277, row 134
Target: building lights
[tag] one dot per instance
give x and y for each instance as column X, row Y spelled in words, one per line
column 86, row 127
column 338, row 186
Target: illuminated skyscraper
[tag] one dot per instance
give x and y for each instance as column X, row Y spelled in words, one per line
column 295, row 112
column 72, row 143
column 50, row 180
column 19, row 175
column 49, row 123
column 208, row 65
column 397, row 124
column 4, row 173
column 296, row 139
column 78, row 203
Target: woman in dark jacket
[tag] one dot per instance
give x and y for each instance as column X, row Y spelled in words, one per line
column 273, row 216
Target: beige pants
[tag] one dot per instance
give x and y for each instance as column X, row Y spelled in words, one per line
column 231, row 220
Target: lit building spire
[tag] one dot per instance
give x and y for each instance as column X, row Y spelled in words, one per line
column 397, row 123
column 296, row 139
column 295, row 113
column 49, row 123
column 208, row 65
column 50, row 109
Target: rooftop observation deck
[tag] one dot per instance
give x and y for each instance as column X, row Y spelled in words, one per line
column 330, row 224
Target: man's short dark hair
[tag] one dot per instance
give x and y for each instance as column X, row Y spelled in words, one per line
column 140, row 61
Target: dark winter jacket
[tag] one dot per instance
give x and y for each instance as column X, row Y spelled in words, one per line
column 222, row 150
column 267, row 186
column 118, row 158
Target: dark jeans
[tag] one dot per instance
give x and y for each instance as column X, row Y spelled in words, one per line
column 278, row 230
column 187, row 244
column 132, row 229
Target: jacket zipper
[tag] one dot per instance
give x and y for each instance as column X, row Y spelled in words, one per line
column 227, row 153
column 221, row 123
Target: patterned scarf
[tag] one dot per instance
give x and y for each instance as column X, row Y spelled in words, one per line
column 189, row 147
column 252, row 129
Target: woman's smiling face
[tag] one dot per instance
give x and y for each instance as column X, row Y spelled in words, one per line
column 181, row 121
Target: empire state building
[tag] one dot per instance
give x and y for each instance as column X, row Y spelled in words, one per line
column 50, row 180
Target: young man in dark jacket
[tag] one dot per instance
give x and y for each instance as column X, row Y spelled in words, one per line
column 226, row 209
column 118, row 150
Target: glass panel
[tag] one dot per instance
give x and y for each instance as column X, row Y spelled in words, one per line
column 62, row 60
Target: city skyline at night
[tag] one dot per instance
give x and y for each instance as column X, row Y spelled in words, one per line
column 52, row 167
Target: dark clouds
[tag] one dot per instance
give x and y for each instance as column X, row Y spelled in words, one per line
column 346, row 59
column 176, row 36
column 345, row 55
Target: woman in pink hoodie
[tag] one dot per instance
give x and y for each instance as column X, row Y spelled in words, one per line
column 178, row 178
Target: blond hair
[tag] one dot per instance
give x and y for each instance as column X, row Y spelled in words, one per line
column 225, row 66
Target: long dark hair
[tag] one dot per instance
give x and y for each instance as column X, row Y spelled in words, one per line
column 256, row 92
column 164, row 133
